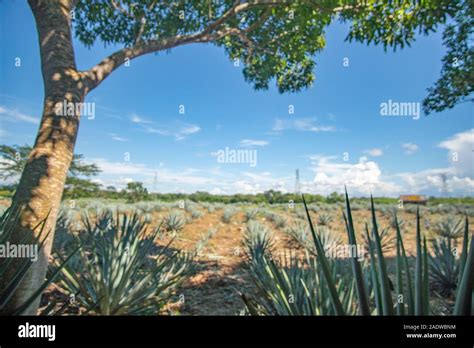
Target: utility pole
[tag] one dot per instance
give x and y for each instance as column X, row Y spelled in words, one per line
column 297, row 182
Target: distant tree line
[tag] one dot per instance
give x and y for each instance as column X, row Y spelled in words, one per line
column 79, row 184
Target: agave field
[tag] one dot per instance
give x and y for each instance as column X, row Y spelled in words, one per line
column 192, row 258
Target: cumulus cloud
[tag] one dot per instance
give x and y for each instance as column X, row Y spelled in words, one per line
column 362, row 177
column 460, row 156
column 436, row 180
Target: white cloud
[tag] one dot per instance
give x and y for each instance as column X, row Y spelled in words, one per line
column 460, row 147
column 139, row 119
column 15, row 115
column 121, row 168
column 117, row 137
column 375, row 152
column 178, row 130
column 217, row 191
column 362, row 177
column 300, row 124
column 410, row 148
column 251, row 142
column 188, row 129
column 436, row 180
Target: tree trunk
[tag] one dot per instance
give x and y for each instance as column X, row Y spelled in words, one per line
column 41, row 185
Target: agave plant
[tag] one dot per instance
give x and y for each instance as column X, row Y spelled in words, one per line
column 300, row 214
column 202, row 243
column 209, row 206
column 228, row 213
column 449, row 228
column 196, row 214
column 372, row 283
column 7, row 221
column 279, row 220
column 120, row 269
column 301, row 233
column 444, row 268
column 445, row 262
column 324, row 219
column 250, row 214
column 174, row 222
column 387, row 240
column 258, row 240
column 291, row 286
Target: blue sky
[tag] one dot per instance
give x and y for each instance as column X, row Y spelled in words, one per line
column 335, row 136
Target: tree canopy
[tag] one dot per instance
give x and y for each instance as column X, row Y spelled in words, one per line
column 457, row 75
column 276, row 40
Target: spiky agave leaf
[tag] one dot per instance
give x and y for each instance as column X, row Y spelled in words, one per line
column 325, row 266
column 400, row 305
column 382, row 267
column 426, row 290
column 406, row 269
column 356, row 268
column 419, row 308
column 463, row 305
column 374, row 274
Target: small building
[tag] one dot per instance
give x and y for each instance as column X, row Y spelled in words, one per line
column 414, row 199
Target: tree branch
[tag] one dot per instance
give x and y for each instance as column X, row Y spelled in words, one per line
column 95, row 75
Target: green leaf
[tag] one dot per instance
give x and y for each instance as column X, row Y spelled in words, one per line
column 324, row 265
column 464, row 296
column 356, row 269
column 384, row 281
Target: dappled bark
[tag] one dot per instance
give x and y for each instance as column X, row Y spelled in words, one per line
column 41, row 185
